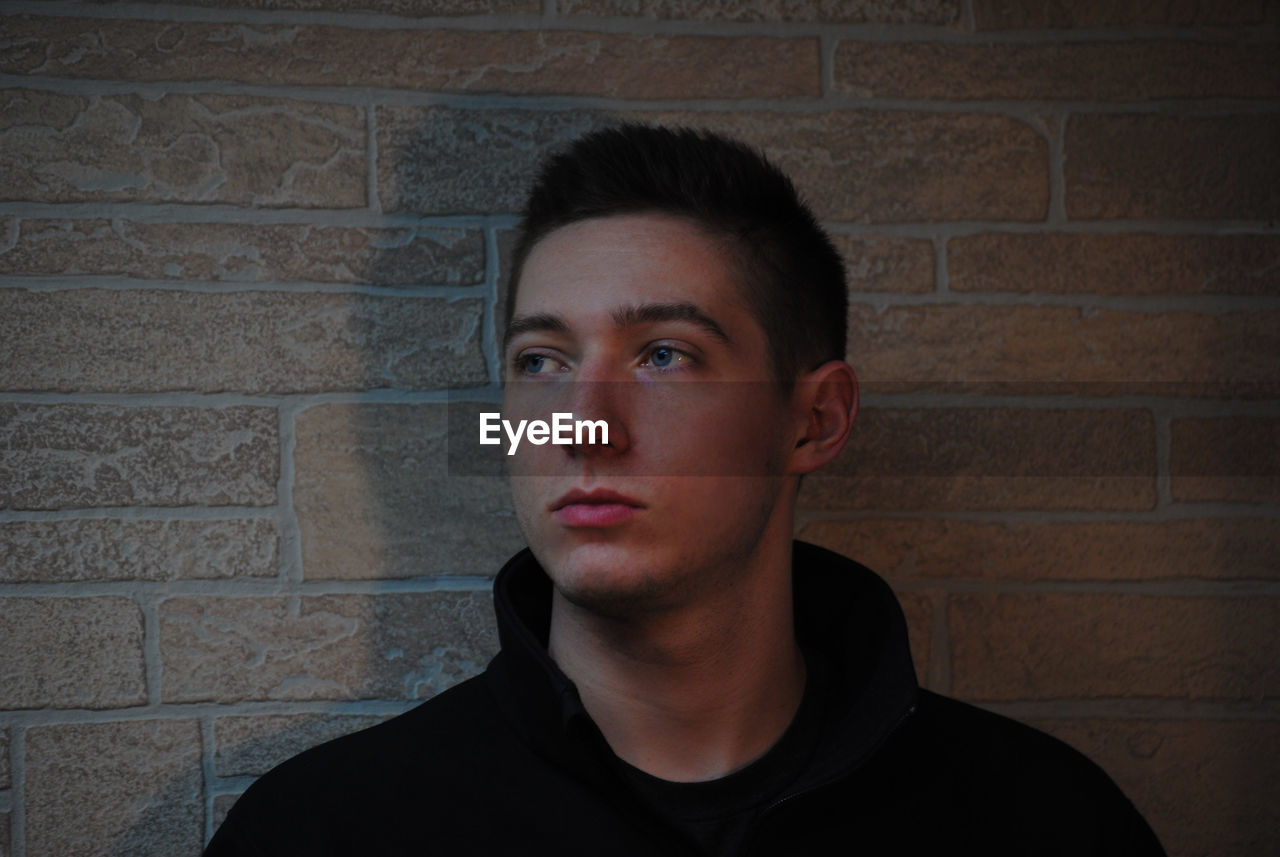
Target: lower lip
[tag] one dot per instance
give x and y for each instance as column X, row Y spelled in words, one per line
column 594, row 514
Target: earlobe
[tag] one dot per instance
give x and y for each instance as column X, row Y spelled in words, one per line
column 827, row 399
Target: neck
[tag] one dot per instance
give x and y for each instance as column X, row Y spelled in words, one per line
column 696, row 691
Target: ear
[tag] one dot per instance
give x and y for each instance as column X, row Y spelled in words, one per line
column 826, row 401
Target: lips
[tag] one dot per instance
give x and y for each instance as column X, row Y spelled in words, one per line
column 598, row 508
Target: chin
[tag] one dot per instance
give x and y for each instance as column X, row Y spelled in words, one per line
column 610, row 581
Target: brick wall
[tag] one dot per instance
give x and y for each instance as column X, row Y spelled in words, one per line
column 247, row 248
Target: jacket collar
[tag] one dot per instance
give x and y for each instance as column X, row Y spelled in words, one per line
column 843, row 610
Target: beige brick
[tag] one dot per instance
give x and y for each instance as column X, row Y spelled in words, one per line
column 54, row 456
column 1139, row 264
column 80, row 550
column 206, row 148
column 1060, row 646
column 1028, row 14
column 560, row 62
column 406, row 8
column 71, row 653
column 394, row 646
column 246, row 341
column 917, row 607
column 832, row 11
column 115, row 788
column 851, row 165
column 236, row 252
column 1095, row 71
column 382, row 491
column 882, row 264
column 221, row 806
column 4, row 762
column 1064, row 350
column 1230, row 458
column 1198, row 548
column 1205, row 786
column 1153, row 166
column 253, row 745
column 991, row 458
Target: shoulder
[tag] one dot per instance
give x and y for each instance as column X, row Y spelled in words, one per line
column 397, row 766
column 997, row 773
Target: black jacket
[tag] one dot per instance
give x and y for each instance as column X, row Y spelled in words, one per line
column 510, row 763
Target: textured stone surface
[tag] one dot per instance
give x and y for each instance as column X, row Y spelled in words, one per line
column 4, row 835
column 991, row 458
column 833, row 11
column 1152, row 166
column 532, row 61
column 1231, row 458
column 251, row 746
column 236, row 252
column 76, row 550
column 105, row 789
column 1141, row 264
column 55, row 456
column 1198, row 548
column 1205, row 786
column 1027, row 14
column 382, row 492
column 394, row 646
column 204, row 148
column 255, row 342
column 4, row 762
column 1061, row 350
column 1056, row 646
column 71, row 653
column 221, row 806
column 407, row 8
column 917, row 607
column 851, row 165
column 883, row 264
column 1094, row 71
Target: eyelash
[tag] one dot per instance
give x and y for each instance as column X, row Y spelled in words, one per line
column 521, row 361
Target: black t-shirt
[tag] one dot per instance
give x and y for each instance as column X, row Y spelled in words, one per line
column 719, row 812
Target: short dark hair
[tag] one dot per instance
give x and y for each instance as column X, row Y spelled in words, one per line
column 792, row 275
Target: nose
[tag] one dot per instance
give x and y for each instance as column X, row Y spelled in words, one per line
column 593, row 397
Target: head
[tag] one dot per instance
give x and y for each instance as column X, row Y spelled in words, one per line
column 672, row 284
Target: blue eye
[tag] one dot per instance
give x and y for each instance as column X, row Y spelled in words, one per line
column 662, row 356
column 532, row 364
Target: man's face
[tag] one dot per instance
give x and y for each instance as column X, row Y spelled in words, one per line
column 637, row 320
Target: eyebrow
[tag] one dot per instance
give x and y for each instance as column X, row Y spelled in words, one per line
column 630, row 316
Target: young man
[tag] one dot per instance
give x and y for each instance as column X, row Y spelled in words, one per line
column 676, row 675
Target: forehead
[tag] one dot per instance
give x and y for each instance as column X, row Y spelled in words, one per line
column 600, row 264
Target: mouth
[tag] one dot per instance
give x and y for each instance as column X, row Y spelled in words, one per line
column 598, row 508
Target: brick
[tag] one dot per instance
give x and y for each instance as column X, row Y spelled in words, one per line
column 561, row 62
column 4, row 762
column 246, row 341
column 1193, row 549
column 1063, row 646
column 883, row 264
column 1230, row 458
column 55, row 456
column 83, row 550
column 1138, row 264
column 236, row 252
column 1028, row 14
column 883, row 166
column 115, row 788
column 253, row 745
column 380, row 493
column 394, row 646
column 991, row 458
column 71, row 653
column 829, row 11
column 1153, row 166
column 1094, row 71
column 221, row 806
column 1205, row 786
column 917, row 607
column 406, row 8
column 231, row 149
column 1064, row 350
